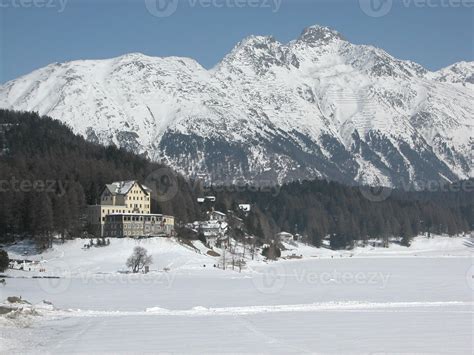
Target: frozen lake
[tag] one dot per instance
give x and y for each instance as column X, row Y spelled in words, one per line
column 341, row 305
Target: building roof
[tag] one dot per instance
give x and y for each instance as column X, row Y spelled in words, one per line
column 123, row 187
column 138, row 214
column 284, row 235
column 219, row 213
column 210, row 224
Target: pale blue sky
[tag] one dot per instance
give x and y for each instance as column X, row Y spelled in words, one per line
column 35, row 35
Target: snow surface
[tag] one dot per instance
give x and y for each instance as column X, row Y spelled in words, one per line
column 416, row 300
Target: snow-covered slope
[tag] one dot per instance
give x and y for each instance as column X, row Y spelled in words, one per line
column 458, row 73
column 71, row 259
column 318, row 106
column 368, row 294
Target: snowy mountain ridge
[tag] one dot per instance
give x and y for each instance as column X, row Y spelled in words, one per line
column 317, row 106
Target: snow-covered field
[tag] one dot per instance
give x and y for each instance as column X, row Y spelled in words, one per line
column 417, row 300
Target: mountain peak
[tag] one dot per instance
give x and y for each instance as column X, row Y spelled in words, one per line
column 275, row 112
column 317, row 34
column 259, row 52
column 256, row 42
column 459, row 73
column 132, row 56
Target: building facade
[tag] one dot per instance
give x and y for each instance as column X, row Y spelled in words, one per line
column 210, row 229
column 245, row 207
column 121, row 197
column 120, row 225
column 217, row 216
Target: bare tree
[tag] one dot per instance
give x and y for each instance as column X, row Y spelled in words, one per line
column 223, row 256
column 139, row 259
column 253, row 247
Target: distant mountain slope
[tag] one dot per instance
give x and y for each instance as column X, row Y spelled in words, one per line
column 48, row 175
column 318, row 106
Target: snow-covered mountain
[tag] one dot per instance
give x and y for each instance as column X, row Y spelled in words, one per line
column 317, row 106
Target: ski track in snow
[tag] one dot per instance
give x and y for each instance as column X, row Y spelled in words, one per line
column 199, row 311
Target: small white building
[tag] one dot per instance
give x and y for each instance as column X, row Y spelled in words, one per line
column 245, row 207
column 285, row 237
column 217, row 216
column 210, row 229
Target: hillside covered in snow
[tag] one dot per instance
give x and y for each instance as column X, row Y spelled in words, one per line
column 316, row 107
column 72, row 260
